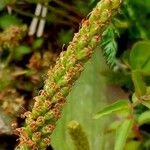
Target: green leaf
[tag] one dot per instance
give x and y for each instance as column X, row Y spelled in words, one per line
column 144, row 117
column 132, row 145
column 8, row 20
column 122, row 134
column 83, row 112
column 113, row 126
column 2, row 5
column 6, row 80
column 8, row 1
column 134, row 98
column 143, row 101
column 65, row 36
column 21, row 51
column 146, row 103
column 139, row 84
column 143, row 3
column 37, row 43
column 117, row 106
column 140, row 56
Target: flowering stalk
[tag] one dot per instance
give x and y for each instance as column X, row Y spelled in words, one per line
column 11, row 37
column 41, row 121
column 78, row 136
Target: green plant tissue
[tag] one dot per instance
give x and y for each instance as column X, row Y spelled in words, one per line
column 86, row 97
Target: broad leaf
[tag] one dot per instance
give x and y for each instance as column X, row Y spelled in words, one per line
column 134, row 98
column 146, row 103
column 83, row 106
column 144, row 118
column 113, row 126
column 132, row 145
column 2, row 5
column 9, row 20
column 140, row 56
column 37, row 43
column 21, row 51
column 139, row 84
column 117, row 106
column 122, row 134
column 144, row 3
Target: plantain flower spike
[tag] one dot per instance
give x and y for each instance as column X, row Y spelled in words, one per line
column 78, row 136
column 41, row 121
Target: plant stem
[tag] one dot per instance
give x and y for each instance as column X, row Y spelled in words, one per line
column 62, row 21
column 68, row 7
column 63, row 13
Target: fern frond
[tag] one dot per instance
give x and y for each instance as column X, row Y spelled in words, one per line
column 109, row 44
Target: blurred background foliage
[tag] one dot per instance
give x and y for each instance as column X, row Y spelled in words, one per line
column 24, row 61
